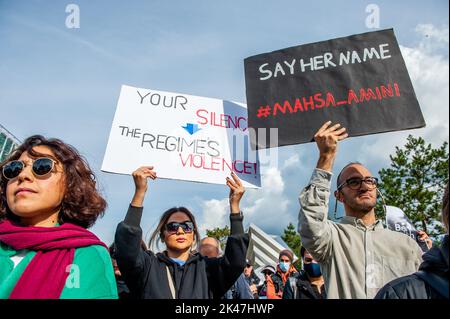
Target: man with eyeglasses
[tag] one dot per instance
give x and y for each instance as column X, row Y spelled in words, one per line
column 357, row 255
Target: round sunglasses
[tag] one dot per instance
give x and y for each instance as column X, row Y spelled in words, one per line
column 41, row 167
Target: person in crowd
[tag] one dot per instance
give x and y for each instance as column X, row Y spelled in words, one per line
column 122, row 289
column 309, row 283
column 267, row 272
column 431, row 281
column 177, row 272
column 251, row 278
column 357, row 255
column 210, row 247
column 48, row 199
column 285, row 269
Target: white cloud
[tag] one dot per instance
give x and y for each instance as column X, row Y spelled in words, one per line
column 437, row 35
column 266, row 207
column 44, row 28
column 292, row 162
column 429, row 72
column 275, row 204
column 214, row 214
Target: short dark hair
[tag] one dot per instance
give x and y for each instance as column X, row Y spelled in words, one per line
column 338, row 180
column 82, row 203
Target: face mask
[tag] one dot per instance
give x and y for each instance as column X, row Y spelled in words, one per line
column 313, row 270
column 284, row 266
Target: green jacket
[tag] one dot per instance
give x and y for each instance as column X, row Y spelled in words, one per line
column 356, row 260
column 91, row 275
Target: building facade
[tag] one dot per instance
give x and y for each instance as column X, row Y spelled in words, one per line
column 7, row 143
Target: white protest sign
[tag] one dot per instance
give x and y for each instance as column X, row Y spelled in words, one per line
column 396, row 220
column 184, row 137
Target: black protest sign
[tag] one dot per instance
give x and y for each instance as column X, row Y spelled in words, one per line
column 359, row 81
column 396, row 220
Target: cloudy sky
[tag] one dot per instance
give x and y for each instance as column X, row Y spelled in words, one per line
column 65, row 83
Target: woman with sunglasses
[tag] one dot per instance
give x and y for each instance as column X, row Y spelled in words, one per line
column 48, row 199
column 178, row 272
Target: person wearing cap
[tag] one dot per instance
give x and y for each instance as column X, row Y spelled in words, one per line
column 251, row 278
column 267, row 271
column 285, row 269
column 309, row 284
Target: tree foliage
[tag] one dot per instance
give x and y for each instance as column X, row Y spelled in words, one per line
column 219, row 233
column 292, row 238
column 415, row 182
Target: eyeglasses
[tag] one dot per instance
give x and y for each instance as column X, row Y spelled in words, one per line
column 355, row 183
column 41, row 167
column 188, row 227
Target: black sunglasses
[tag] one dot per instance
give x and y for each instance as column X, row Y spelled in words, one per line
column 41, row 166
column 188, row 227
column 355, row 183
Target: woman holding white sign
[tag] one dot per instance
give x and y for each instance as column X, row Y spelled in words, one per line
column 178, row 272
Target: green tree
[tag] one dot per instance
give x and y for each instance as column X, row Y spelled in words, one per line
column 415, row 182
column 219, row 233
column 292, row 238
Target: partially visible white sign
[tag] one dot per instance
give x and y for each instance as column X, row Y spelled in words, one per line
column 396, row 220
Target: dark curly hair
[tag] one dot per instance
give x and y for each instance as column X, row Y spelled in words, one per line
column 82, row 204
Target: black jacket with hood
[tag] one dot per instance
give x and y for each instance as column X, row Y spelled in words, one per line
column 145, row 273
column 298, row 286
column 435, row 261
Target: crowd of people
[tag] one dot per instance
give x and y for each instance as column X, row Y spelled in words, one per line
column 49, row 198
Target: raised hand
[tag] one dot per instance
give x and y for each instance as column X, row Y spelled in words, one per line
column 236, row 192
column 327, row 138
column 423, row 236
column 140, row 177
